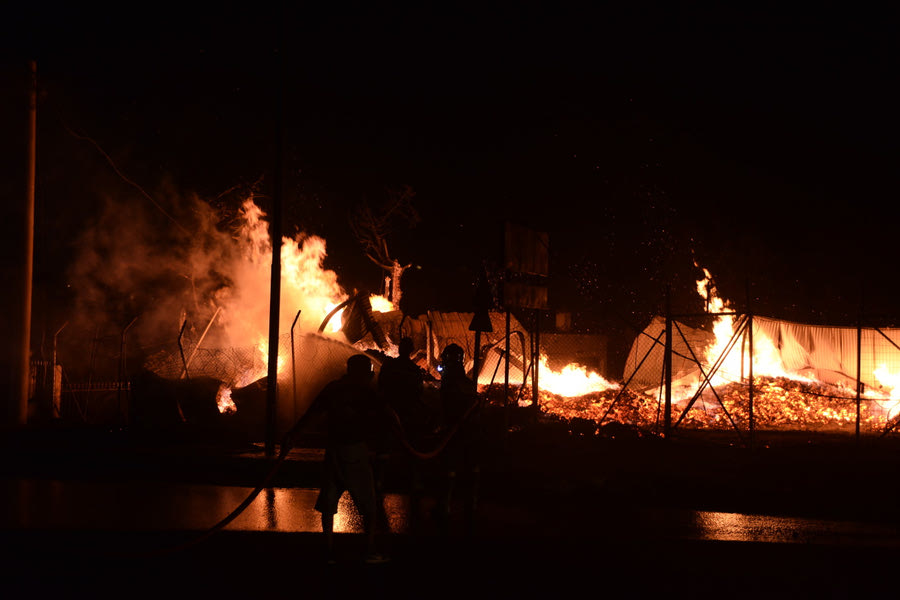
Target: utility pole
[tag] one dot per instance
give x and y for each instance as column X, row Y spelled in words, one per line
column 29, row 241
column 18, row 255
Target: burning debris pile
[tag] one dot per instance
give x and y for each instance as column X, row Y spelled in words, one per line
column 779, row 404
column 613, row 405
column 799, row 377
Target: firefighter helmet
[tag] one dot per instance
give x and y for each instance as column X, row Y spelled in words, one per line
column 452, row 354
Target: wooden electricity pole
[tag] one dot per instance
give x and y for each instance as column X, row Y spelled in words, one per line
column 20, row 247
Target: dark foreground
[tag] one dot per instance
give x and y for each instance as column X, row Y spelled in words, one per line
column 233, row 564
column 569, row 506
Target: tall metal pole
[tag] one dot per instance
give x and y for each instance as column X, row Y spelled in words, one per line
column 858, row 374
column 535, row 361
column 506, row 403
column 750, row 365
column 294, row 360
column 123, row 374
column 476, row 358
column 275, row 287
column 667, row 367
column 200, row 341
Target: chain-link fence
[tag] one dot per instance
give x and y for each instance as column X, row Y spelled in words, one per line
column 755, row 374
column 827, row 378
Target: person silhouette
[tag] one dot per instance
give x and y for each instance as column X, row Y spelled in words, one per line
column 460, row 421
column 401, row 389
column 349, row 404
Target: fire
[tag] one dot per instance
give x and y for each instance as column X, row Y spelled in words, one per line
column 237, row 350
column 308, row 290
column 891, row 394
column 573, row 380
column 334, row 325
column 734, row 365
column 378, row 303
column 304, row 281
column 263, row 347
column 381, row 304
column 889, row 381
column 224, row 401
column 782, row 400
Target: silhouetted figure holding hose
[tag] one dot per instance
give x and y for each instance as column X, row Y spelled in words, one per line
column 350, row 408
column 401, row 388
column 460, row 458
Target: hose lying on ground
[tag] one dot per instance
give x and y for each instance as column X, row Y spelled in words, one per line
column 285, row 448
column 221, row 524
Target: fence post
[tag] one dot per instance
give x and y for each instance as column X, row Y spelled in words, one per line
column 123, row 370
column 750, row 364
column 293, row 359
column 506, row 403
column 858, row 374
column 535, row 361
column 56, row 402
column 667, row 367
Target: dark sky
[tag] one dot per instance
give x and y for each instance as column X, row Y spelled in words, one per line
column 762, row 142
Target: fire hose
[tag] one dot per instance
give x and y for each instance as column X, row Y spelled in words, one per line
column 228, row 519
column 282, row 455
column 397, row 425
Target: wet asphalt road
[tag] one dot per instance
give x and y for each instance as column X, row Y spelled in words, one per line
column 112, row 517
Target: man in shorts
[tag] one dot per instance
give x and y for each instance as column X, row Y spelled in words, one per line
column 349, row 405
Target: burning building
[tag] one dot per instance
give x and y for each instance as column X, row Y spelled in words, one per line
column 210, row 344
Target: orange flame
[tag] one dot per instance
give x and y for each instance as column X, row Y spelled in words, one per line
column 782, row 399
column 733, row 364
column 307, row 287
column 572, row 380
column 381, row 304
column 224, row 401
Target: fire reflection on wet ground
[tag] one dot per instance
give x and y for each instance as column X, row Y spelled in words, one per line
column 149, row 506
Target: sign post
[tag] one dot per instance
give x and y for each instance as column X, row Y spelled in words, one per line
column 526, row 263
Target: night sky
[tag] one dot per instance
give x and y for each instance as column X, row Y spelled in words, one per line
column 761, row 143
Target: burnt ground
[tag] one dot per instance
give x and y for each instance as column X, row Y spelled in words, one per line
column 589, row 484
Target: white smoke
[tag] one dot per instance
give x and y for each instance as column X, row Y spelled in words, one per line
column 184, row 262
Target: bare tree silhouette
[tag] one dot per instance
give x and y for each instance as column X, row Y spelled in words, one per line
column 373, row 227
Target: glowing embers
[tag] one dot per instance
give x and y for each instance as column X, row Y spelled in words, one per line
column 611, row 405
column 779, row 404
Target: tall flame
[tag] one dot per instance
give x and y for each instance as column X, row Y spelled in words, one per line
column 307, row 287
column 309, row 291
column 735, row 364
